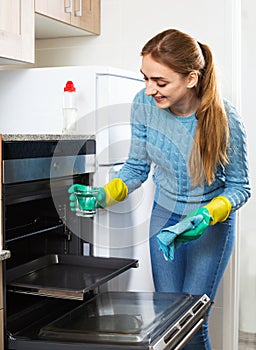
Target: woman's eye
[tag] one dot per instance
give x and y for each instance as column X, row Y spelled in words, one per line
column 161, row 85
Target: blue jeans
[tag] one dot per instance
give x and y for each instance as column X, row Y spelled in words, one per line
column 198, row 266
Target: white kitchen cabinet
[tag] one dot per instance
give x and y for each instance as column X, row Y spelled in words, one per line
column 17, row 31
column 63, row 18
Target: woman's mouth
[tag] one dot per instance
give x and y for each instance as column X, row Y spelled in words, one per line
column 159, row 99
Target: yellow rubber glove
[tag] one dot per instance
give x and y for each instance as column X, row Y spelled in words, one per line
column 219, row 209
column 116, row 191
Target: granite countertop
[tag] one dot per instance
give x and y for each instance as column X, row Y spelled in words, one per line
column 44, row 137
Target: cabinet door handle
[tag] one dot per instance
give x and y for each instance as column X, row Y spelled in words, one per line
column 69, row 9
column 80, row 11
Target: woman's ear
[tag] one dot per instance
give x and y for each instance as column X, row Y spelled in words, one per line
column 192, row 79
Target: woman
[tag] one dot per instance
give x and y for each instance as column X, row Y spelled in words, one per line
column 196, row 141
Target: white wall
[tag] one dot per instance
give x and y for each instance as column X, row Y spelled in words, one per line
column 248, row 229
column 126, row 25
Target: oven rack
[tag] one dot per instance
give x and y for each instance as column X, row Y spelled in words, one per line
column 65, row 276
column 38, row 226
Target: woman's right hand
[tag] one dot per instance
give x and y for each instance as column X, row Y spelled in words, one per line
column 87, row 191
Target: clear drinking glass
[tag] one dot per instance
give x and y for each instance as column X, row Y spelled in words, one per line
column 86, row 202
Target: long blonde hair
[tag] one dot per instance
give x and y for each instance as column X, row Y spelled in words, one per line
column 183, row 54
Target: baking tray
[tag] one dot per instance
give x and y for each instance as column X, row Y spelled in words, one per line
column 65, row 276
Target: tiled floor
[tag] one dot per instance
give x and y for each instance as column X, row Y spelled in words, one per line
column 247, row 341
column 243, row 346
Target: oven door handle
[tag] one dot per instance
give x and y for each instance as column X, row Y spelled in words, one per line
column 189, row 324
column 189, row 335
column 165, row 341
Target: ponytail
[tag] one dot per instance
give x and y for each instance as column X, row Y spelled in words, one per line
column 211, row 137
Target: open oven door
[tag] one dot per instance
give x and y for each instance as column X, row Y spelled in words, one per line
column 120, row 320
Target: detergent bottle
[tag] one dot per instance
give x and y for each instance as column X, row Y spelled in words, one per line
column 69, row 109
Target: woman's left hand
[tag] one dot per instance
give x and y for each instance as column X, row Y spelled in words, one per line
column 188, row 229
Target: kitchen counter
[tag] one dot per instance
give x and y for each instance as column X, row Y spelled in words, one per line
column 4, row 254
column 42, row 137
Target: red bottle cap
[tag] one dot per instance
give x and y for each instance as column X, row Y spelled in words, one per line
column 70, row 87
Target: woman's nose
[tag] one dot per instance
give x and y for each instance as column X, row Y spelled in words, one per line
column 150, row 89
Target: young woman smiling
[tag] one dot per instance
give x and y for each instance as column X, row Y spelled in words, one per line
column 196, row 143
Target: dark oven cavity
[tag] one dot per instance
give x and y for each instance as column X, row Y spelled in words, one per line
column 52, row 299
column 51, row 269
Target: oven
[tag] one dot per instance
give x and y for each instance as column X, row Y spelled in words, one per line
column 52, row 294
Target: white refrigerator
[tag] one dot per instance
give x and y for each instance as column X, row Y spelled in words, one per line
column 31, row 103
column 122, row 229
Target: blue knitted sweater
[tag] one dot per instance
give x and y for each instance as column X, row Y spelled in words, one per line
column 163, row 141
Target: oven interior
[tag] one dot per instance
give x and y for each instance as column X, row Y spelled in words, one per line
column 51, row 282
column 51, row 269
column 34, row 228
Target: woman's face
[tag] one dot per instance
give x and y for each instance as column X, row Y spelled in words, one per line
column 169, row 89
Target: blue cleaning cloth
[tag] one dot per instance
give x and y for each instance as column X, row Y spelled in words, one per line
column 168, row 238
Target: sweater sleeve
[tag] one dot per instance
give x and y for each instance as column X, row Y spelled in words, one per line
column 136, row 169
column 237, row 187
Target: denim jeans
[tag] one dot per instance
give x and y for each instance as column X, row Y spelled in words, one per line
column 198, row 266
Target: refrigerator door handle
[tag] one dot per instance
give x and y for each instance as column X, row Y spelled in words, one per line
column 115, row 164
